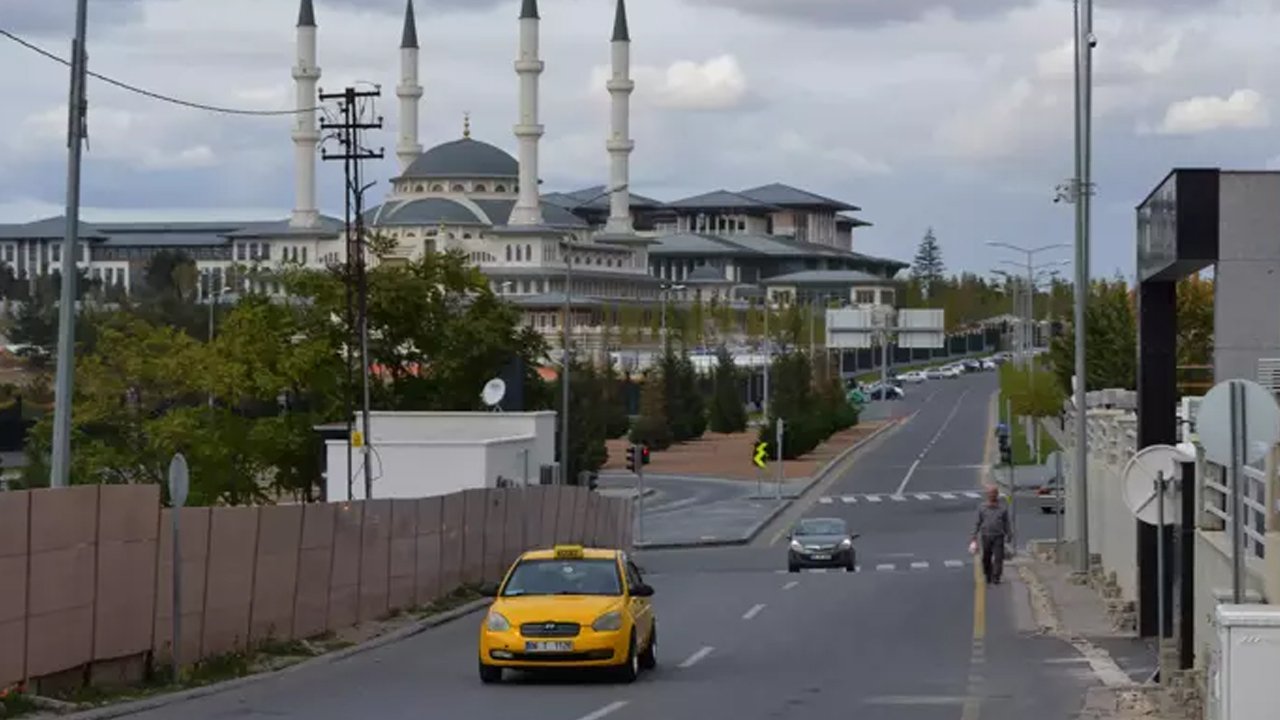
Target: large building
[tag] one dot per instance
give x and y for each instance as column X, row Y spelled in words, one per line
column 605, row 246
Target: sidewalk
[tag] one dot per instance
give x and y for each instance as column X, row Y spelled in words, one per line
column 1100, row 629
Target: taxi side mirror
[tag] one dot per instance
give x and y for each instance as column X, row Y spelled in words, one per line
column 489, row 590
column 642, row 590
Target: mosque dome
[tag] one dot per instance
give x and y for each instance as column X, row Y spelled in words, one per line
column 465, row 158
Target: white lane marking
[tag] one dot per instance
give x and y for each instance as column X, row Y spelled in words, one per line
column 848, row 499
column 817, row 570
column 791, row 584
column 606, row 710
column 920, row 565
column 882, row 567
column 953, row 563
column 972, row 495
column 754, row 611
column 898, row 498
column 922, row 496
column 873, row 498
column 910, row 471
column 825, row 500
column 694, row 658
column 947, row 496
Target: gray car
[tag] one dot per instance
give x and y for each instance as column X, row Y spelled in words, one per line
column 821, row 543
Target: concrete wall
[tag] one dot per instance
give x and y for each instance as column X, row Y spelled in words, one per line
column 1246, row 327
column 87, row 571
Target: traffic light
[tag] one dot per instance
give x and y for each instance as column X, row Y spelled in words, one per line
column 644, row 454
column 1006, row 450
column 633, row 454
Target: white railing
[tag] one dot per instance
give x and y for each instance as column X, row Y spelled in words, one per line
column 1216, row 503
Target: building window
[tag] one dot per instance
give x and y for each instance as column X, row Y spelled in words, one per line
column 266, row 251
column 508, row 253
column 886, row 297
column 499, row 188
column 519, row 254
column 304, row 255
column 419, row 188
column 437, row 188
column 528, row 252
column 457, row 187
column 864, row 297
column 481, row 188
column 57, row 252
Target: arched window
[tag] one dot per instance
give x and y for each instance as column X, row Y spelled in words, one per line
column 479, row 187
column 457, row 187
column 499, row 188
column 419, row 187
column 466, row 236
column 528, row 252
column 437, row 188
column 508, row 253
column 518, row 254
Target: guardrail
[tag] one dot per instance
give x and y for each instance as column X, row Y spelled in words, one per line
column 1216, row 504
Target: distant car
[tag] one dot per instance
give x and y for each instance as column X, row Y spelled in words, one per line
column 989, row 365
column 951, row 372
column 821, row 543
column 913, row 377
column 972, row 366
column 1049, row 496
column 935, row 373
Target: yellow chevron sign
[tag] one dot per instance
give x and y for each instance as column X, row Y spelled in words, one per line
column 759, row 457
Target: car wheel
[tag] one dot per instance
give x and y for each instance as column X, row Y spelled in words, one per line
column 793, row 568
column 649, row 658
column 852, row 566
column 490, row 674
column 630, row 669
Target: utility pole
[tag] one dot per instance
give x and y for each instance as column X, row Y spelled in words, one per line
column 348, row 131
column 1083, row 189
column 77, row 114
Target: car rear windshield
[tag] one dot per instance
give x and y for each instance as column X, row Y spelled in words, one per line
column 564, row 577
column 821, row 527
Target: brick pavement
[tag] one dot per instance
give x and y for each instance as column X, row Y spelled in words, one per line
column 729, row 455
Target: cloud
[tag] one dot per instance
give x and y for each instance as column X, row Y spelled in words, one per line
column 1243, row 109
column 803, row 151
column 882, row 12
column 717, row 84
column 48, row 18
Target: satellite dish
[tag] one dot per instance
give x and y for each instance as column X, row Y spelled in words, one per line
column 493, row 392
column 1214, row 421
column 1139, row 480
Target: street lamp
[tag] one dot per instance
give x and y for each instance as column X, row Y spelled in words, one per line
column 213, row 300
column 1030, row 268
column 566, row 246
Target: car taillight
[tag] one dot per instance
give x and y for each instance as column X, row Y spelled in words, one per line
column 1045, row 491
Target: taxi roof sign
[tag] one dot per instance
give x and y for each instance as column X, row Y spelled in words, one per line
column 568, row 551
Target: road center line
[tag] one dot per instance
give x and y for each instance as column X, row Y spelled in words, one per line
column 791, row 584
column 694, row 658
column 754, row 611
column 929, row 446
column 606, row 710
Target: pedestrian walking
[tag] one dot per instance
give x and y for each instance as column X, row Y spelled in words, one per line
column 991, row 532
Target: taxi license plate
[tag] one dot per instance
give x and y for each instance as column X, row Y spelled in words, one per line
column 821, row 557
column 548, row 646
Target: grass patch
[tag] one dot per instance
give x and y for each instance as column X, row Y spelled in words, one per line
column 15, row 704
column 1036, row 389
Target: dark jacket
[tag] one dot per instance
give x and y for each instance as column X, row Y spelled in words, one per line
column 993, row 520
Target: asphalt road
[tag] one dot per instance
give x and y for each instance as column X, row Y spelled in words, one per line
column 743, row 639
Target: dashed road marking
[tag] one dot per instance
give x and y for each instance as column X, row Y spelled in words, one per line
column 695, row 658
column 920, row 565
column 884, row 567
column 848, row 499
column 606, row 710
column 972, row 495
column 897, row 498
column 754, row 611
column 953, row 563
column 791, row 584
column 825, row 500
column 873, row 498
column 922, row 496
column 947, row 496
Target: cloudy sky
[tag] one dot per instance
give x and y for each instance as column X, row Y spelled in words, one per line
column 954, row 114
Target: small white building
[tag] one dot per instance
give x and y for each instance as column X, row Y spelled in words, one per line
column 424, row 454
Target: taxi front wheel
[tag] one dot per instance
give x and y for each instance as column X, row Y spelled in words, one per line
column 630, row 668
column 490, row 674
column 649, row 658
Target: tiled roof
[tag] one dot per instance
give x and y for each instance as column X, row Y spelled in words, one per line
column 787, row 196
column 825, row 277
column 722, row 200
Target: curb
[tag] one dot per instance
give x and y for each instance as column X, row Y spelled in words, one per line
column 808, row 485
column 159, row 701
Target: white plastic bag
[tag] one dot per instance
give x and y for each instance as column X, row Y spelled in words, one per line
column 973, row 547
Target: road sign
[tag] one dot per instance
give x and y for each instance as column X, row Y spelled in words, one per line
column 1140, row 487
column 1214, row 422
column 761, row 455
column 179, row 480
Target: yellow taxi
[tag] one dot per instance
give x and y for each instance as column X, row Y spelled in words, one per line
column 570, row 607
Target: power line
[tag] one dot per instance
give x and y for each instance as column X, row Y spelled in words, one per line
column 150, row 93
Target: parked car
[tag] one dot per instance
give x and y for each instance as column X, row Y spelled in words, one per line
column 935, row 373
column 1049, row 496
column 951, row 372
column 913, row 377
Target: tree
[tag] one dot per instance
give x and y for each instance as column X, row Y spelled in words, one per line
column 587, row 449
column 1111, row 338
column 686, row 411
column 613, row 404
column 1195, row 321
column 728, row 414
column 652, row 428
column 927, row 269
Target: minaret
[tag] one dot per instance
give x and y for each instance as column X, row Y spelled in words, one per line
column 408, row 91
column 528, row 210
column 306, row 134
column 620, row 143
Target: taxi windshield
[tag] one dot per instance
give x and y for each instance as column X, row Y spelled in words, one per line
column 564, row 577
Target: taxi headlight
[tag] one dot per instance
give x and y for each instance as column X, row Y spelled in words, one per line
column 608, row 622
column 496, row 622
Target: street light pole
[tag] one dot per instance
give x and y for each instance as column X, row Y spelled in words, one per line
column 1028, row 303
column 1084, row 42
column 60, row 470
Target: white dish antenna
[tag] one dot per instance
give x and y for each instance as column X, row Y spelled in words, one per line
column 1139, row 480
column 1214, row 421
column 493, row 392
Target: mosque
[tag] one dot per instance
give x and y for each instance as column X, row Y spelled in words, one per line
column 608, row 247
